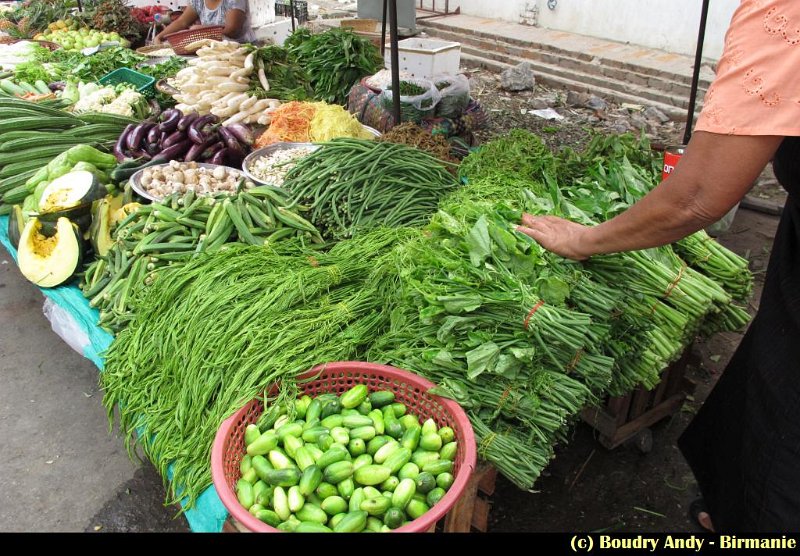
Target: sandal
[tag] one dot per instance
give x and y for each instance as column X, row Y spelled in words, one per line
column 697, row 507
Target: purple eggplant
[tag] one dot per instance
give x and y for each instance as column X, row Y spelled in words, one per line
column 209, row 152
column 152, row 148
column 219, row 157
column 119, row 146
column 203, row 121
column 141, row 153
column 154, row 135
column 243, row 133
column 169, row 120
column 172, row 139
column 230, row 139
column 137, row 136
column 197, row 136
column 187, row 120
column 57, row 86
column 198, row 149
column 174, row 152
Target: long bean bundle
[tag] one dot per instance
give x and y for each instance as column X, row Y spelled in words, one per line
column 353, row 185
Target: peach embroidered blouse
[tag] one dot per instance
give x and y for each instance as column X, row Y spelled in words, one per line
column 757, row 88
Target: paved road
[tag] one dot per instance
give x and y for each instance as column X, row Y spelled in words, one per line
column 60, row 468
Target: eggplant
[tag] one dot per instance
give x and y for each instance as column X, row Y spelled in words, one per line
column 230, row 139
column 119, row 146
column 169, row 120
column 140, row 153
column 210, row 151
column 187, row 120
column 174, row 151
column 136, row 137
column 154, row 135
column 219, row 157
column 196, row 136
column 172, row 139
column 57, row 86
column 152, row 148
column 243, row 133
column 199, row 148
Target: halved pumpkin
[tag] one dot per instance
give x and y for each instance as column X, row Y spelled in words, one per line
column 50, row 261
column 72, row 191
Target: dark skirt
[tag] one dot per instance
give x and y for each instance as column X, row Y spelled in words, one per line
column 744, row 443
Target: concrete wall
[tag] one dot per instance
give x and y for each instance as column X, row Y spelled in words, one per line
column 665, row 24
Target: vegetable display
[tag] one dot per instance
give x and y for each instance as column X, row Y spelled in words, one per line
column 352, row 184
column 334, row 60
column 146, row 239
column 304, row 122
column 217, row 82
column 350, row 463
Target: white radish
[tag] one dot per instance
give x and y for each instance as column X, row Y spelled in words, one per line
column 247, row 104
column 230, row 87
column 249, row 61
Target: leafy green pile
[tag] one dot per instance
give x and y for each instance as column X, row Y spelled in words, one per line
column 334, row 60
column 62, row 65
column 286, row 78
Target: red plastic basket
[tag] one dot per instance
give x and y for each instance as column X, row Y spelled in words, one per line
column 339, row 377
column 178, row 41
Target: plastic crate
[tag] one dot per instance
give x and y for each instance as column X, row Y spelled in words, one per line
column 426, row 58
column 143, row 83
column 409, row 389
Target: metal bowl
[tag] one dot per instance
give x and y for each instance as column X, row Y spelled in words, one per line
column 372, row 130
column 137, row 186
column 266, row 151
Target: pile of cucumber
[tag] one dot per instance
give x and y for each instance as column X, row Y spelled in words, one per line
column 350, row 463
column 32, row 134
column 23, row 87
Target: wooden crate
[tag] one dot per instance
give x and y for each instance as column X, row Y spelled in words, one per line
column 628, row 417
column 470, row 512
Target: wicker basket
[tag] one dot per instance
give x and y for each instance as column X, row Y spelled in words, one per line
column 363, row 25
column 178, row 41
column 408, row 388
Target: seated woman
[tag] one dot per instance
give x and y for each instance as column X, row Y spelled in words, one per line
column 234, row 15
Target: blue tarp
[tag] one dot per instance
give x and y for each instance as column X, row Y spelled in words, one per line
column 208, row 514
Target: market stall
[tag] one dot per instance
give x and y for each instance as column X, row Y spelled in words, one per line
column 211, row 227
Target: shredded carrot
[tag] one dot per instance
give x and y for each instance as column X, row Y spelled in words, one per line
column 291, row 122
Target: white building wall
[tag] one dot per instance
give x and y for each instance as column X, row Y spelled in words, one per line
column 669, row 25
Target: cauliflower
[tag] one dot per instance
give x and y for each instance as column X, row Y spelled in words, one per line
column 108, row 101
column 95, row 101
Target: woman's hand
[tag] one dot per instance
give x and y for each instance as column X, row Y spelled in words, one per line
column 560, row 236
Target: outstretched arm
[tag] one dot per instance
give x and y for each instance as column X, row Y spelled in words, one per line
column 714, row 174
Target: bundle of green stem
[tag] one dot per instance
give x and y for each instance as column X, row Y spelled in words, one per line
column 354, row 185
column 213, row 334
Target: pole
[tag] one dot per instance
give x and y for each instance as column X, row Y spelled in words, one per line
column 383, row 30
column 395, row 62
column 291, row 13
column 698, row 58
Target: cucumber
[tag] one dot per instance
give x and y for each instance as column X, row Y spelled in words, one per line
column 314, row 450
column 326, row 490
column 251, row 432
column 411, row 437
column 393, row 518
column 445, row 480
column 448, row 451
column 353, row 397
column 251, row 476
column 434, row 496
column 425, row 482
column 364, row 407
column 377, row 420
column 42, row 87
column 353, row 522
column 303, row 458
column 263, row 444
column 361, row 461
column 296, row 499
column 376, row 506
column 283, row 477
column 312, row 434
column 291, row 443
column 311, row 479
column 394, row 429
column 332, row 421
column 385, row 451
column 358, row 496
column 431, row 441
column 409, row 421
column 356, row 421
column 408, row 471
column 310, row 512
column 338, row 472
column 439, row 466
column 398, row 459
column 314, row 410
column 300, row 406
column 261, row 465
column 279, row 460
column 357, row 447
column 390, row 484
column 429, row 427
column 374, row 525
column 340, row 435
column 246, row 464
column 324, row 442
column 289, row 429
column 334, row 521
column 399, row 409
column 310, row 424
column 262, row 493
column 346, row 488
column 331, row 407
column 312, row 527
column 11, row 88
column 269, row 517
column 364, row 433
column 403, row 494
column 334, row 455
column 27, row 87
column 371, row 475
column 381, row 398
column 371, row 492
column 244, row 493
column 423, row 457
column 416, row 509
column 280, row 503
column 334, row 505
column 377, row 443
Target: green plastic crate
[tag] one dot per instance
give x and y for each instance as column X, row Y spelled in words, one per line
column 143, row 83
